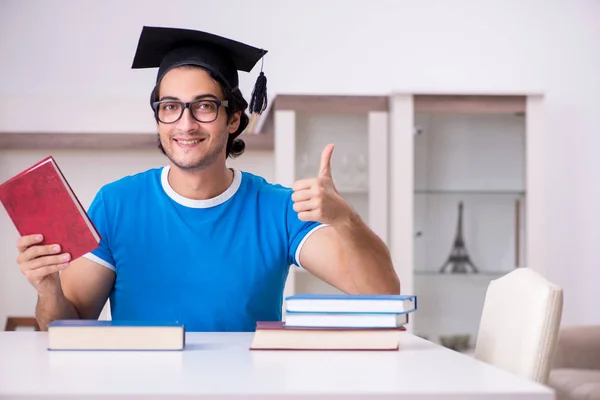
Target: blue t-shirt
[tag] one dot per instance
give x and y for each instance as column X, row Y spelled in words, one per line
column 215, row 265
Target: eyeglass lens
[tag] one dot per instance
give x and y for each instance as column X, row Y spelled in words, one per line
column 202, row 110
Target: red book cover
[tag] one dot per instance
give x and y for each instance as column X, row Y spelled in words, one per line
column 276, row 335
column 280, row 325
column 40, row 200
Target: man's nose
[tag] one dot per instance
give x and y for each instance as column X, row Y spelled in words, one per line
column 186, row 123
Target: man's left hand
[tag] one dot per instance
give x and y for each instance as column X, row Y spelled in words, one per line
column 317, row 199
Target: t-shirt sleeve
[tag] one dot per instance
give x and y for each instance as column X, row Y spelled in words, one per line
column 298, row 232
column 99, row 217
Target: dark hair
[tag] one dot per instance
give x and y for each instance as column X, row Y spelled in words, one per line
column 235, row 146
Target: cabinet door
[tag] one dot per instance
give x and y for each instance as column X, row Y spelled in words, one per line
column 458, row 204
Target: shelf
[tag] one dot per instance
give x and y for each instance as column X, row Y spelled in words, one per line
column 330, row 103
column 423, row 103
column 471, row 192
column 456, row 275
column 470, row 104
column 106, row 141
column 321, row 104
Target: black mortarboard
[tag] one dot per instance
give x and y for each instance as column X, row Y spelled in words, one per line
column 167, row 48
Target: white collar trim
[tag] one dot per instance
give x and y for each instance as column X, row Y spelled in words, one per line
column 192, row 203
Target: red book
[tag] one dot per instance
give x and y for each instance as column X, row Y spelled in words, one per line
column 40, row 200
column 278, row 336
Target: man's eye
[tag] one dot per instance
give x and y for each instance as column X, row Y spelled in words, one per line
column 170, row 106
column 205, row 106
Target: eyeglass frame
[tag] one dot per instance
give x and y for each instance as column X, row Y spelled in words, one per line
column 184, row 105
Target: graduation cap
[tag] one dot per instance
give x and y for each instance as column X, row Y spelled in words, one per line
column 168, row 48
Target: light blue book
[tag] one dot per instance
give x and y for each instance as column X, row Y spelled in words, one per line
column 351, row 303
column 81, row 334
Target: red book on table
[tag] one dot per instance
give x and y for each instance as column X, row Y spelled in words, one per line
column 40, row 200
column 276, row 335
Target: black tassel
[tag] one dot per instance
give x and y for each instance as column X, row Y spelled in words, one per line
column 258, row 101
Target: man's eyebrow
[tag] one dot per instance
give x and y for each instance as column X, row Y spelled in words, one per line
column 169, row 98
column 198, row 97
column 205, row 95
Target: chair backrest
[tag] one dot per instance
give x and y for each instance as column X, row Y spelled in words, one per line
column 519, row 324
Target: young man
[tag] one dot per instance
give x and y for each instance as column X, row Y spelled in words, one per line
column 196, row 241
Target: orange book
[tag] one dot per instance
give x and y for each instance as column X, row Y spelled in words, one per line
column 40, row 200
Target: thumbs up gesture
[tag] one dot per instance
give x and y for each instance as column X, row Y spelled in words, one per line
column 317, row 199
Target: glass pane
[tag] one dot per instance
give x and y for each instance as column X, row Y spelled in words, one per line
column 469, row 214
column 349, row 162
column 349, row 167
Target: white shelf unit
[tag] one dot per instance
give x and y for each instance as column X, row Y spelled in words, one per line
column 483, row 151
column 358, row 127
column 486, row 150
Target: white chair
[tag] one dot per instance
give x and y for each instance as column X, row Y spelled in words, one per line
column 519, row 324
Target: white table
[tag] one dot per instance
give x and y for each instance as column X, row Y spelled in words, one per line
column 220, row 364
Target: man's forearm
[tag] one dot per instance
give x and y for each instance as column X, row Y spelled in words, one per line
column 53, row 306
column 368, row 257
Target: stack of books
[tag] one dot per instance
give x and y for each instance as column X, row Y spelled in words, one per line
column 337, row 322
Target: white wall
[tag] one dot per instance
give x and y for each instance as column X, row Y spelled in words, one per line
column 73, row 59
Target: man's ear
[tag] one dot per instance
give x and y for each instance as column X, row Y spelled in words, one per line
column 234, row 122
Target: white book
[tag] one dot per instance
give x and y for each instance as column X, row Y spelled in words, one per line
column 346, row 320
column 115, row 335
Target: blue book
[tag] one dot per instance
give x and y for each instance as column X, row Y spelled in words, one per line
column 351, row 303
column 81, row 334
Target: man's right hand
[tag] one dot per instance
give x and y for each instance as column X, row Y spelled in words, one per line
column 41, row 263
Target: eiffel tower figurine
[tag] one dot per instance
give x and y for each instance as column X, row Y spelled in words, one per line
column 459, row 258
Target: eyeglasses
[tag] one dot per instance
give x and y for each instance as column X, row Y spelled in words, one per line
column 203, row 110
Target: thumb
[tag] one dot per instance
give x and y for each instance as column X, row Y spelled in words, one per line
column 325, row 168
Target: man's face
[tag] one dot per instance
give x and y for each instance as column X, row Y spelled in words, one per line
column 188, row 143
